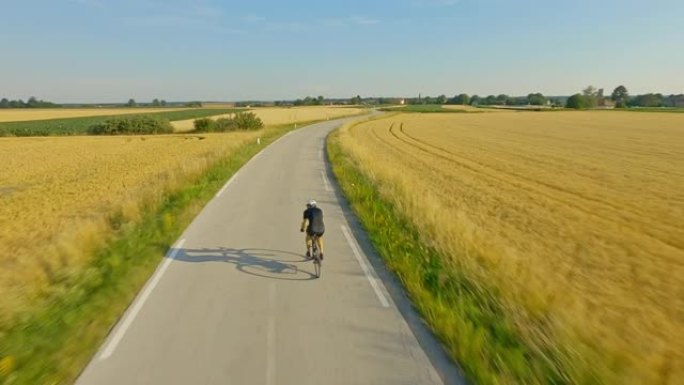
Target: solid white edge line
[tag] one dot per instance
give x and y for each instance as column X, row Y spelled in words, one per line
column 326, row 182
column 138, row 304
column 225, row 186
column 365, row 266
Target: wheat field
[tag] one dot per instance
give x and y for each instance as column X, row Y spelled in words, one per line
column 29, row 114
column 59, row 197
column 285, row 115
column 577, row 218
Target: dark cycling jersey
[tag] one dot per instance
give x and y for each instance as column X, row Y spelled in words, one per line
column 315, row 217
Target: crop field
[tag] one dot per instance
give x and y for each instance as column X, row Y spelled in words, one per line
column 79, row 125
column 27, row 114
column 575, row 218
column 60, row 197
column 284, row 115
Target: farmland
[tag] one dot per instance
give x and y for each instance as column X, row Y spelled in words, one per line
column 30, row 122
column 28, row 114
column 570, row 223
column 278, row 115
column 61, row 197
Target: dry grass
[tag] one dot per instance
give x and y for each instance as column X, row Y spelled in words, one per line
column 28, row 114
column 576, row 217
column 61, row 197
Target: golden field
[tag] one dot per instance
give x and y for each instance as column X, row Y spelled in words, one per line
column 284, row 115
column 577, row 218
column 59, row 196
column 28, row 114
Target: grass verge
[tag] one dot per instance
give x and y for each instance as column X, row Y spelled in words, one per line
column 467, row 316
column 53, row 344
column 79, row 126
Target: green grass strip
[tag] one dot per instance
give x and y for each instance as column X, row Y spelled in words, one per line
column 79, row 126
column 54, row 344
column 465, row 315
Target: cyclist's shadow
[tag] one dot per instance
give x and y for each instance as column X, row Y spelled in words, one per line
column 266, row 263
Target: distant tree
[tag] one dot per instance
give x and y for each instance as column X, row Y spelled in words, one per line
column 577, row 101
column 675, row 100
column 501, row 99
column 319, row 101
column 163, row 103
column 648, row 100
column 441, row 99
column 620, row 96
column 600, row 98
column 4, row 103
column 461, row 99
column 131, row 103
column 590, row 97
column 17, row 104
column 489, row 100
column 156, row 103
column 475, row 100
column 536, row 99
column 355, row 100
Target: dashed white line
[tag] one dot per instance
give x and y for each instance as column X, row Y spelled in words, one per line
column 365, row 266
column 139, row 302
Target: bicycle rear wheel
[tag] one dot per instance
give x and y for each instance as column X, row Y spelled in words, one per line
column 316, row 254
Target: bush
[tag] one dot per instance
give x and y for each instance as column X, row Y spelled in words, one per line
column 225, row 124
column 134, row 125
column 247, row 121
column 204, row 125
column 240, row 121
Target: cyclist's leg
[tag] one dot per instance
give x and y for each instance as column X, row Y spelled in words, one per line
column 320, row 244
column 308, row 244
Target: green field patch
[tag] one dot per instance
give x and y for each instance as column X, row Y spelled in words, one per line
column 79, row 126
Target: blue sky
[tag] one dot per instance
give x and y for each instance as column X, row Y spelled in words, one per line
column 107, row 50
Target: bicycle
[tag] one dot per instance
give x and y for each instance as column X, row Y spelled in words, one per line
column 316, row 256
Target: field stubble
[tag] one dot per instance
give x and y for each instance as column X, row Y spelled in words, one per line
column 575, row 218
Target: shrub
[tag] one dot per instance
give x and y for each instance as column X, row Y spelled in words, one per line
column 240, row 121
column 135, row 125
column 247, row 121
column 225, row 124
column 204, row 125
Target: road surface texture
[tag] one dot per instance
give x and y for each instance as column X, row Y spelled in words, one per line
column 235, row 301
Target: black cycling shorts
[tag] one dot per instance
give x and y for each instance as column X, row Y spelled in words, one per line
column 316, row 233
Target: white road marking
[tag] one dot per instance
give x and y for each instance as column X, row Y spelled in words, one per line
column 270, row 339
column 225, row 186
column 326, row 182
column 365, row 266
column 232, row 179
column 138, row 304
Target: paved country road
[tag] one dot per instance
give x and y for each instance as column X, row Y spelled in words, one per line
column 235, row 302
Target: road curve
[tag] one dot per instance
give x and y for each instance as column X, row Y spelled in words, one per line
column 234, row 302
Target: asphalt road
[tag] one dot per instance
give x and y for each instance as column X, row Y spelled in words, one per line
column 235, row 302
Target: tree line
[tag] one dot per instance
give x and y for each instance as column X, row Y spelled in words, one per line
column 620, row 98
column 33, row 102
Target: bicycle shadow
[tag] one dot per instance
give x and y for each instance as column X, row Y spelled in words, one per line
column 264, row 263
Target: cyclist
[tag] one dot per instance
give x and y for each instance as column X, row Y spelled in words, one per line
column 313, row 223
